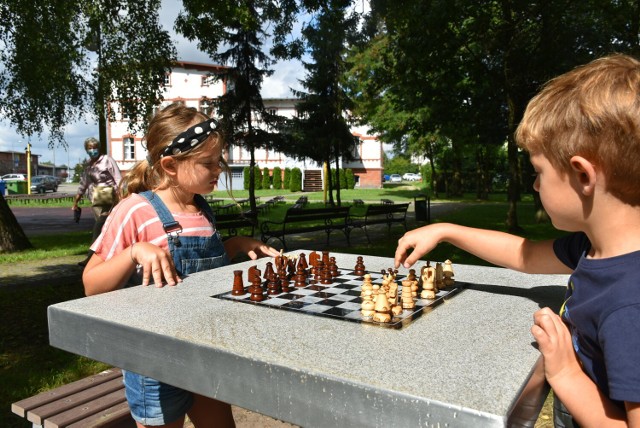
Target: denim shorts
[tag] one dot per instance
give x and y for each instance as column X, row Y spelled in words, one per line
column 155, row 403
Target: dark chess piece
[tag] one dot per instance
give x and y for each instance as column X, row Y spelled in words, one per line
column 301, row 277
column 302, row 261
column 291, row 267
column 268, row 271
column 317, row 272
column 359, row 269
column 284, row 282
column 333, row 267
column 238, row 286
column 273, row 284
column 257, row 293
column 325, row 276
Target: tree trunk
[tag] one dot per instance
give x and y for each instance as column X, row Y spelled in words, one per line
column 12, row 237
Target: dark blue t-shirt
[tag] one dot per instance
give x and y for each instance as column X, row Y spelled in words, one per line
column 602, row 310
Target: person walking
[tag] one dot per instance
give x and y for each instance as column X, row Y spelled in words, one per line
column 100, row 181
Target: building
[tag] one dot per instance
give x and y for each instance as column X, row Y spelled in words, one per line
column 12, row 161
column 191, row 84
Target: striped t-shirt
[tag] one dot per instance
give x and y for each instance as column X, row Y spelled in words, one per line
column 135, row 220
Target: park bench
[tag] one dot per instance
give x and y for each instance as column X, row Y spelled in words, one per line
column 95, row 401
column 379, row 214
column 237, row 224
column 303, row 220
column 358, row 202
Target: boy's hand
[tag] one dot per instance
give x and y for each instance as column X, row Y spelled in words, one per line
column 554, row 341
column 155, row 262
column 420, row 240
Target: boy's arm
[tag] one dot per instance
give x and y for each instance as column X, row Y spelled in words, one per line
column 580, row 395
column 101, row 276
column 250, row 246
column 499, row 248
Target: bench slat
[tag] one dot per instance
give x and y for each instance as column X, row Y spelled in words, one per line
column 117, row 416
column 88, row 410
column 39, row 414
column 23, row 406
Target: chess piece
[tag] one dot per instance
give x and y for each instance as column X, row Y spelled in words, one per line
column 268, row 271
column 302, row 261
column 439, row 282
column 284, row 281
column 238, row 286
column 257, row 293
column 447, row 271
column 407, row 295
column 333, row 267
column 428, row 282
column 382, row 308
column 367, row 285
column 300, row 278
column 313, row 262
column 325, row 258
column 359, row 269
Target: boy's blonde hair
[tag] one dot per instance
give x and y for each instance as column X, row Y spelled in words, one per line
column 592, row 111
column 163, row 128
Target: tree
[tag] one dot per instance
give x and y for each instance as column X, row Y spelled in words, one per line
column 49, row 79
column 322, row 126
column 241, row 28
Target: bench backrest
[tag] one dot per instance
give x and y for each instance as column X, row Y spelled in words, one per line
column 311, row 214
column 231, row 223
column 373, row 210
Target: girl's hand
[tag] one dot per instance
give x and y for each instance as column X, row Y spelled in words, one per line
column 258, row 249
column 155, row 262
column 420, row 240
column 554, row 341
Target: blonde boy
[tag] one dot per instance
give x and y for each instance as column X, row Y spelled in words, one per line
column 583, row 135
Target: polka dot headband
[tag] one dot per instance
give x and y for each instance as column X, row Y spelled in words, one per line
column 191, row 138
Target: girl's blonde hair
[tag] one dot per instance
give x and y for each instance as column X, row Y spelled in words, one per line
column 163, row 128
column 592, row 111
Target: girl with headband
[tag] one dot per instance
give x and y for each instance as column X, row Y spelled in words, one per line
column 162, row 231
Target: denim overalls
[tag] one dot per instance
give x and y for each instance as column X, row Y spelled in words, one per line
column 190, row 254
column 153, row 402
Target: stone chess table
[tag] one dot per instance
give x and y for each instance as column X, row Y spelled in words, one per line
column 471, row 361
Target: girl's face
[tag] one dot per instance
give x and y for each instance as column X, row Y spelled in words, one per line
column 199, row 174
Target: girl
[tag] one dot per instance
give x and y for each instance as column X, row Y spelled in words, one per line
column 162, row 231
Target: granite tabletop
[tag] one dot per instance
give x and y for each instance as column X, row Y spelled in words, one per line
column 471, row 361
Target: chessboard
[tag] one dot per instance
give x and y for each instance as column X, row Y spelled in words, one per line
column 341, row 299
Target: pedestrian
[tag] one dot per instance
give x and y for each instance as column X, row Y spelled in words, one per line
column 162, row 231
column 582, row 132
column 100, row 181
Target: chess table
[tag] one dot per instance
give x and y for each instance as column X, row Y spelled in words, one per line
column 471, row 361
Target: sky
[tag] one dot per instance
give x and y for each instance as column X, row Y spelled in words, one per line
column 285, row 76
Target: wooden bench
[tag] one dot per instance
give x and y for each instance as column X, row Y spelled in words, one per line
column 237, row 224
column 303, row 220
column 380, row 214
column 95, row 401
column 358, row 202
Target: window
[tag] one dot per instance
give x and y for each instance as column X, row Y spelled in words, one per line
column 272, row 111
column 129, row 148
column 207, row 81
column 206, row 107
column 167, row 80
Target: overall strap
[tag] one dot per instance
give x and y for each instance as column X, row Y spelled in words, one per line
column 168, row 222
column 205, row 208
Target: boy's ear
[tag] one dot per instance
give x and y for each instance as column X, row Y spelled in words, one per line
column 585, row 174
column 169, row 165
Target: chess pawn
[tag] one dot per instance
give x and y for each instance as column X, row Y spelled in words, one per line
column 407, row 296
column 368, row 308
column 256, row 288
column 268, row 271
column 284, row 282
column 414, row 288
column 333, row 267
column 325, row 258
column 447, row 271
column 382, row 308
column 393, row 294
column 412, row 275
column 366, row 285
column 238, row 285
column 359, row 269
column 302, row 261
column 375, row 288
column 300, row 278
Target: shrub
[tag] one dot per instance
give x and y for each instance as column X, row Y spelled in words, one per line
column 287, row 178
column 266, row 179
column 257, row 177
column 245, row 177
column 277, row 178
column 351, row 180
column 295, row 180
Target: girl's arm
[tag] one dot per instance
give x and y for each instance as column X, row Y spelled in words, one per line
column 250, row 246
column 100, row 276
column 580, row 395
column 499, row 248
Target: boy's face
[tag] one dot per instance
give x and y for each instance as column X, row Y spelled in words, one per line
column 559, row 197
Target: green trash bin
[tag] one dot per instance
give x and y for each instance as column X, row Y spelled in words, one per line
column 17, row 187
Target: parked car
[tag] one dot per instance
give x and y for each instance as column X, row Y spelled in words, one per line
column 386, row 177
column 14, row 177
column 42, row 183
column 411, row 176
column 395, row 178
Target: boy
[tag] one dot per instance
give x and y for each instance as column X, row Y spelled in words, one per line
column 583, row 135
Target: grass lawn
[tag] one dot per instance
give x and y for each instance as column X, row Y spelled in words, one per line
column 29, row 365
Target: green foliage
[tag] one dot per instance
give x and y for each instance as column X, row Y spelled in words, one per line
column 351, row 180
column 295, row 180
column 399, row 164
column 286, row 183
column 266, row 179
column 246, row 177
column 277, row 178
column 257, row 178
